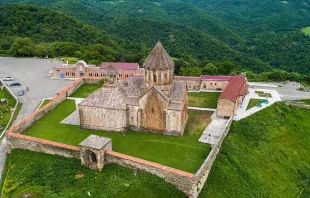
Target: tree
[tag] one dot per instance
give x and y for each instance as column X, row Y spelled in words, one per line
column 190, row 71
column 209, row 69
column 225, row 68
column 41, row 50
column 22, row 47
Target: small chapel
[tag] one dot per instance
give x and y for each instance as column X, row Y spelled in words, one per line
column 153, row 103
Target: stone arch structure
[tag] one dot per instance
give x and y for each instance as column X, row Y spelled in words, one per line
column 80, row 68
column 90, row 159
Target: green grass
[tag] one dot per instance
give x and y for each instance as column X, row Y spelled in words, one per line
column 49, row 176
column 306, row 31
column 45, row 102
column 5, row 107
column 184, row 153
column 253, row 103
column 306, row 101
column 264, row 155
column 203, row 99
column 263, row 94
column 18, row 108
column 85, row 90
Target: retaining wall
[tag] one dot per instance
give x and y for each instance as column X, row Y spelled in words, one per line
column 39, row 145
column 204, row 170
column 182, row 180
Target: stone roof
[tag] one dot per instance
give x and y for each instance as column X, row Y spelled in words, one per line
column 129, row 93
column 111, row 71
column 158, row 59
column 96, row 142
column 111, row 97
column 177, row 90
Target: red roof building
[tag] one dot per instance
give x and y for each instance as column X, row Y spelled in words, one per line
column 236, row 87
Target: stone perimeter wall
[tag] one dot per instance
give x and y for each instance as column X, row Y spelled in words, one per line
column 190, row 184
column 182, row 180
column 203, row 172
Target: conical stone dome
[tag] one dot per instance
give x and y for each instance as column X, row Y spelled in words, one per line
column 158, row 59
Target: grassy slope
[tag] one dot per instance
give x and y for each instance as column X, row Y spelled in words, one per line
column 5, row 108
column 265, row 155
column 45, row 102
column 85, row 90
column 306, row 101
column 203, row 99
column 184, row 153
column 53, row 176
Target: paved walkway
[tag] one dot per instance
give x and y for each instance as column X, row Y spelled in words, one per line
column 214, row 130
column 73, row 118
column 193, row 91
column 243, row 113
column 201, row 109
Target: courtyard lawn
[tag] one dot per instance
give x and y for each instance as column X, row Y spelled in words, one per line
column 264, row 155
column 85, row 90
column 203, row 99
column 5, row 108
column 184, row 153
column 253, row 103
column 30, row 174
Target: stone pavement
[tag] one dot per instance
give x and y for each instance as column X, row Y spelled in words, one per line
column 214, row 130
column 201, row 109
column 241, row 110
column 73, row 118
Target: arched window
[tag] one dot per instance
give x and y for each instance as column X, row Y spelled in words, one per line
column 154, row 78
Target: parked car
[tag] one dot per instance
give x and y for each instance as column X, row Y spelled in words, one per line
column 8, row 78
column 15, row 84
column 21, row 92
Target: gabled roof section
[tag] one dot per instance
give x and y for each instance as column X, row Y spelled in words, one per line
column 158, row 59
column 235, row 88
column 158, row 90
column 118, row 65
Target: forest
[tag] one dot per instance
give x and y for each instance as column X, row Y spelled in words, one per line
column 200, row 40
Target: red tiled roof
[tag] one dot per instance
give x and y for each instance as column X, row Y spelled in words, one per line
column 235, row 88
column 220, row 78
column 116, row 65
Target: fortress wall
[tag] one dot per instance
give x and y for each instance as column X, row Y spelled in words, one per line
column 182, row 180
column 203, row 172
column 39, row 145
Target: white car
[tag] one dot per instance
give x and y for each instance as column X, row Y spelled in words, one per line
column 8, row 78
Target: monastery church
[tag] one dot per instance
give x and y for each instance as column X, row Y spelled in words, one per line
column 155, row 103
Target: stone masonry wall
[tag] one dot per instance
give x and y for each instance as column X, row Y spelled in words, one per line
column 39, row 145
column 203, row 172
column 182, row 180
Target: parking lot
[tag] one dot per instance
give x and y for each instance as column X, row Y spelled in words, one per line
column 31, row 73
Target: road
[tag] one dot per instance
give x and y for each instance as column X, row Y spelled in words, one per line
column 286, row 92
column 31, row 73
